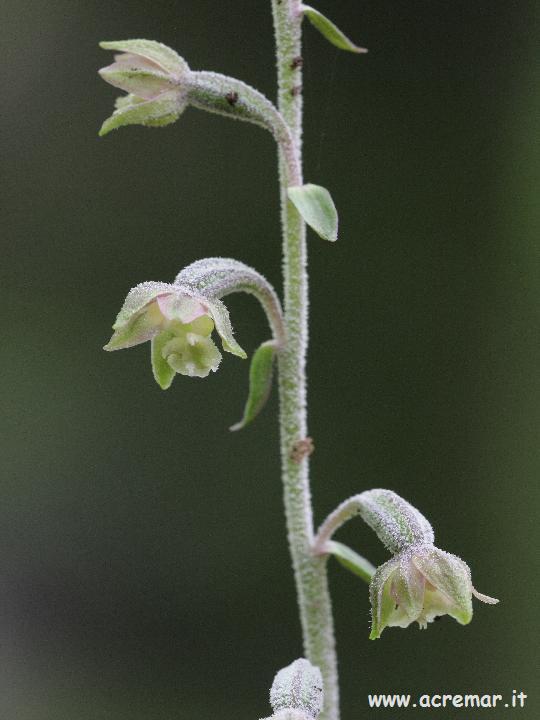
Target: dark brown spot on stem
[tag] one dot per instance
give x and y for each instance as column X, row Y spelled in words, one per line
column 301, row 449
column 231, row 98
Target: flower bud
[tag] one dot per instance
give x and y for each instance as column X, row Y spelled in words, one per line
column 299, row 688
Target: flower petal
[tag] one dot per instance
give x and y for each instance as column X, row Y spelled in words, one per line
column 142, row 83
column 137, row 62
column 180, row 306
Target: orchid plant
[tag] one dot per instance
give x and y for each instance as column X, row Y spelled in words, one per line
column 419, row 582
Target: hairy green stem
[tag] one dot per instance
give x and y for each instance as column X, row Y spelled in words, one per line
column 309, row 569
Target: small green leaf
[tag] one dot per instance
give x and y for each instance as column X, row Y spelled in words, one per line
column 315, row 205
column 351, row 560
column 260, row 382
column 332, row 33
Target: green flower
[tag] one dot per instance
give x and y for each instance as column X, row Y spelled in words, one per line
column 153, row 75
column 419, row 584
column 179, row 324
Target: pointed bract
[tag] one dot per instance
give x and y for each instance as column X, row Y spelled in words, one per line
column 351, row 560
column 315, row 205
column 260, row 383
column 330, row 31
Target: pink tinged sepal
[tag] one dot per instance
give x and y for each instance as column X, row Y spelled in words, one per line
column 139, row 318
column 181, row 307
column 163, row 57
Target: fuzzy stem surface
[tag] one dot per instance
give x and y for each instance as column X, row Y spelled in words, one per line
column 310, row 570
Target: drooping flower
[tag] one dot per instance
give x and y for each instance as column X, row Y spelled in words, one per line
column 153, row 75
column 179, row 324
column 419, row 584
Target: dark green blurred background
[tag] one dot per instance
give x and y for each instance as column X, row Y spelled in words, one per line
column 144, row 571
